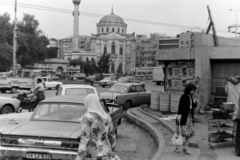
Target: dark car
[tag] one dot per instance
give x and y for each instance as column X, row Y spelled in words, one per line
column 127, row 95
column 53, row 131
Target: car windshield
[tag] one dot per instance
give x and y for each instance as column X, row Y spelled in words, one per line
column 59, row 112
column 107, row 78
column 118, row 88
column 76, row 91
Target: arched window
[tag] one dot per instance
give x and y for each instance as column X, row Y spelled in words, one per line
column 118, row 30
column 112, row 29
column 122, row 30
column 87, row 59
column 107, row 29
column 102, row 30
column 105, row 49
column 113, row 48
column 121, row 50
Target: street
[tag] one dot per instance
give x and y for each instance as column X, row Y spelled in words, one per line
column 127, row 132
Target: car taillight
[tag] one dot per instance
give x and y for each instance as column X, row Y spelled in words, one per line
column 70, row 144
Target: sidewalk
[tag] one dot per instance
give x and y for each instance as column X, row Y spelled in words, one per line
column 199, row 145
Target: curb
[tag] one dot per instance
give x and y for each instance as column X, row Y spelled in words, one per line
column 157, row 135
column 191, row 144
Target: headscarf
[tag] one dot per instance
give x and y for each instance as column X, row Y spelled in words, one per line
column 92, row 104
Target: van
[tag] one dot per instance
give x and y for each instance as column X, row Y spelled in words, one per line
column 158, row 75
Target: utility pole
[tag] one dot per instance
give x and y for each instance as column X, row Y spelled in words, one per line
column 15, row 40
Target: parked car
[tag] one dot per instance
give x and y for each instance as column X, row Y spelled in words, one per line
column 76, row 89
column 108, row 81
column 130, row 79
column 14, row 83
column 53, row 131
column 126, row 95
column 9, row 105
column 50, row 83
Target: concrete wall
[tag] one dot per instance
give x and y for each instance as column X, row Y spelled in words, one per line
column 203, row 71
column 202, row 39
column 225, row 53
column 174, row 54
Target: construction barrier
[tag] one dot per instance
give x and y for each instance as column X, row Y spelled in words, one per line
column 154, row 100
column 164, row 101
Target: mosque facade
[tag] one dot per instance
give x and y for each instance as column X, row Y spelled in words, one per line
column 111, row 38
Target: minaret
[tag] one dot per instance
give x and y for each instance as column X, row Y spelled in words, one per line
column 76, row 14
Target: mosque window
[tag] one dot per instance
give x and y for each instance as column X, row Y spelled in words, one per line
column 113, row 48
column 105, row 49
column 102, row 30
column 121, row 50
column 118, row 30
column 112, row 29
column 107, row 29
column 122, row 30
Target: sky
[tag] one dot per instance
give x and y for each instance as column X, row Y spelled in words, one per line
column 181, row 13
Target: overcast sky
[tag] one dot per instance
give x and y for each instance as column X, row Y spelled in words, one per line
column 192, row 13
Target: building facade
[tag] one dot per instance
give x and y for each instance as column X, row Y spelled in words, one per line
column 192, row 57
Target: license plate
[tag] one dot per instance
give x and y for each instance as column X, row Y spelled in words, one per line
column 38, row 156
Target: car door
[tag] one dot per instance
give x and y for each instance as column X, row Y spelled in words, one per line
column 45, row 82
column 143, row 96
column 132, row 95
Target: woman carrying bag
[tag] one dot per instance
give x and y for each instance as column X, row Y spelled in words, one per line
column 185, row 116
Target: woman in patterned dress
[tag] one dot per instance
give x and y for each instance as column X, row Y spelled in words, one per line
column 186, row 107
column 97, row 135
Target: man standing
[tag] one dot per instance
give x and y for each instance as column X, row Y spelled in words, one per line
column 39, row 90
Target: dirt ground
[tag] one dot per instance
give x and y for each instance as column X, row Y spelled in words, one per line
column 134, row 143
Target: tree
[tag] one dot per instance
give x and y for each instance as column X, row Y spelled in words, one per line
column 31, row 42
column 6, row 41
column 104, row 63
column 52, row 52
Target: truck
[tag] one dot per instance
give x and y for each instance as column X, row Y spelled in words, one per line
column 158, row 75
column 14, row 83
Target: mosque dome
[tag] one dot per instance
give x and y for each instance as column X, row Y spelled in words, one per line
column 111, row 21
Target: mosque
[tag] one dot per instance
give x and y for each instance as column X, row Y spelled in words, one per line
column 111, row 38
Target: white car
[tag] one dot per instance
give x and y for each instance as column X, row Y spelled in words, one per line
column 8, row 105
column 76, row 89
column 108, row 81
column 50, row 83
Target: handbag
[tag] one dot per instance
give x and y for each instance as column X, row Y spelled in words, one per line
column 177, row 139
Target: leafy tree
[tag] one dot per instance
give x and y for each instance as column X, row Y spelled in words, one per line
column 6, row 41
column 78, row 61
column 52, row 52
column 31, row 42
column 104, row 63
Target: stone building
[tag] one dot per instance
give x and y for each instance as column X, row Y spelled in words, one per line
column 193, row 57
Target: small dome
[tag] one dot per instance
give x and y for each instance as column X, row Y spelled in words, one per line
column 111, row 18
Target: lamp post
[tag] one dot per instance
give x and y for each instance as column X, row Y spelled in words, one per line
column 15, row 40
column 236, row 10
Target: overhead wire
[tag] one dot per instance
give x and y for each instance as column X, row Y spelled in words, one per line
column 4, row 2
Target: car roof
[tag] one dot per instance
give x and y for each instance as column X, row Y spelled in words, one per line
column 77, row 86
column 65, row 98
column 126, row 84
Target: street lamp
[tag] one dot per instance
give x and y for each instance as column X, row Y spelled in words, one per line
column 236, row 10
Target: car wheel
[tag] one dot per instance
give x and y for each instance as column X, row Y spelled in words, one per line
column 116, row 133
column 158, row 83
column 103, row 86
column 237, row 139
column 3, row 90
column 127, row 105
column 6, row 109
column 57, row 87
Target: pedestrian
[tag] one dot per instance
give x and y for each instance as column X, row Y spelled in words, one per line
column 39, row 90
column 186, row 107
column 97, row 139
